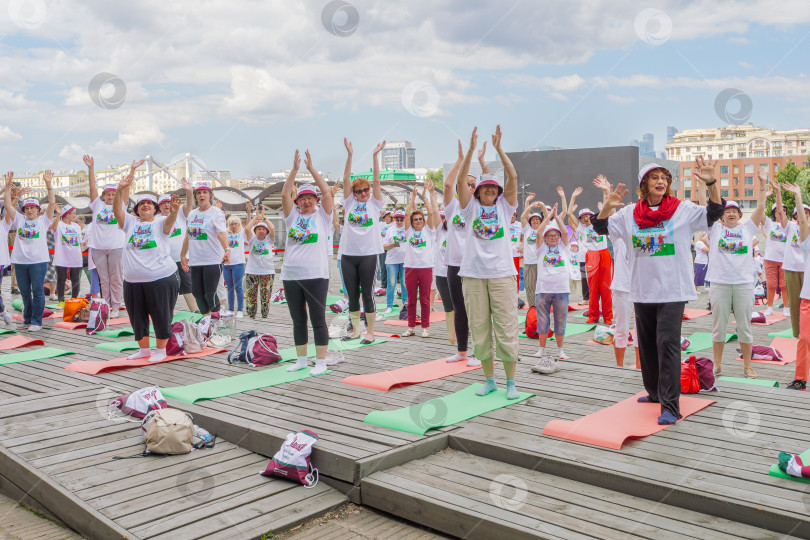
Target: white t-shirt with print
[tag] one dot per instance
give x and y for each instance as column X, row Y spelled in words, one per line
column 361, row 227
column 588, row 238
column 419, row 247
column 5, row 256
column 106, row 234
column 660, row 257
column 731, row 256
column 621, row 266
column 794, row 255
column 488, row 251
column 67, row 251
column 775, row 241
column 805, row 292
column 236, row 241
column 260, row 256
column 456, row 234
column 701, row 255
column 395, row 255
column 178, row 235
column 309, row 245
column 85, row 235
column 529, row 245
column 439, row 266
column 31, row 242
column 203, row 228
column 146, row 254
column 553, row 269
column 514, row 238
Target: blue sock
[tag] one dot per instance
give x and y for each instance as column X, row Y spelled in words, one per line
column 488, row 387
column 646, row 399
column 667, row 419
column 511, row 391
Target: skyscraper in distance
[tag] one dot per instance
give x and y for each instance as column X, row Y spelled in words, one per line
column 399, row 155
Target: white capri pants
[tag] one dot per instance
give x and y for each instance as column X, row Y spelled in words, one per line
column 622, row 311
column 726, row 299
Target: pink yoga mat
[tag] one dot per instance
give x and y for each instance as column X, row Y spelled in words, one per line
column 690, row 313
column 55, row 315
column 77, row 325
column 435, row 316
column 418, row 373
column 786, row 346
column 574, row 306
column 94, row 367
column 15, row 342
column 612, row 426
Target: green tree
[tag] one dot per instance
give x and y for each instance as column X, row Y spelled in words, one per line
column 437, row 177
column 793, row 174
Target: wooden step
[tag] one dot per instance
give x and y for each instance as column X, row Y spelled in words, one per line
column 473, row 497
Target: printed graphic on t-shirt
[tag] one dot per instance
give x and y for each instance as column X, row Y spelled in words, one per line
column 106, row 216
column 417, row 240
column 778, row 234
column 655, row 241
column 532, row 237
column 591, row 236
column 732, row 242
column 233, row 240
column 458, row 221
column 514, row 229
column 794, row 240
column 553, row 257
column 486, row 225
column 70, row 237
column 175, row 232
column 303, row 230
column 197, row 228
column 142, row 236
column 359, row 216
column 260, row 248
column 398, row 236
column 28, row 230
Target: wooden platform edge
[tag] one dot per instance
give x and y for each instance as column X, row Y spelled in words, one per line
column 736, row 510
column 400, row 456
column 59, row 502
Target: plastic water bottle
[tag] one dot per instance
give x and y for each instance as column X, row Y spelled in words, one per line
column 202, row 434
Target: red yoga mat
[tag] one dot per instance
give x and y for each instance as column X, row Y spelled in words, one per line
column 418, row 373
column 573, row 306
column 55, row 315
column 77, row 325
column 689, row 313
column 15, row 342
column 612, row 426
column 94, row 367
column 435, row 316
column 786, row 346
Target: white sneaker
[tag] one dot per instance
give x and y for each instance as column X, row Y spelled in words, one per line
column 226, row 313
column 425, row 332
column 540, row 352
column 456, row 358
column 561, row 355
column 34, row 328
column 7, row 318
column 473, row 362
column 768, row 312
column 389, row 311
column 239, row 314
column 546, row 366
column 786, row 312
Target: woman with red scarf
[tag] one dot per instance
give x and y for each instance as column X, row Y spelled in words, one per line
column 658, row 232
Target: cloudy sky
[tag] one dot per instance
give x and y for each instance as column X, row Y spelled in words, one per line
column 243, row 84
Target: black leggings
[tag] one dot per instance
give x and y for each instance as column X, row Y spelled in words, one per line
column 61, row 277
column 311, row 293
column 204, row 283
column 151, row 300
column 444, row 291
column 359, row 272
column 460, row 317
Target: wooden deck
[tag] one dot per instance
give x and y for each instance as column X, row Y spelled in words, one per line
column 706, row 476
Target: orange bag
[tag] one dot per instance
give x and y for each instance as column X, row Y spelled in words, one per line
column 72, row 307
column 690, row 381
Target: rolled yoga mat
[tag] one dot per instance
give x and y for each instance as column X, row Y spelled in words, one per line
column 417, row 373
column 237, row 384
column 443, row 411
column 612, row 426
column 35, row 354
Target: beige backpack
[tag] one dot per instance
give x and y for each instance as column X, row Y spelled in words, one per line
column 168, row 432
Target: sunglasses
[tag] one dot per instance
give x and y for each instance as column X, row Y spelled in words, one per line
column 362, row 190
column 399, row 219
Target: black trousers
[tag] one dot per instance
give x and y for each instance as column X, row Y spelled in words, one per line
column 61, row 277
column 460, row 317
column 151, row 300
column 583, row 278
column 308, row 292
column 444, row 291
column 382, row 271
column 359, row 272
column 659, row 349
column 204, row 282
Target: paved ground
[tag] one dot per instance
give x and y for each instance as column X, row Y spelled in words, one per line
column 20, row 523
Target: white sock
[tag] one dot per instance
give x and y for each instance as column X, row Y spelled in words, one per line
column 541, row 351
column 560, row 351
column 301, row 363
column 142, row 353
column 320, row 366
column 160, row 354
column 458, row 357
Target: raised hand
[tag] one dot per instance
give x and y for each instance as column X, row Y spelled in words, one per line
column 792, row 188
column 429, row 185
column 23, row 191
column 554, row 212
column 335, row 188
column 348, row 145
column 704, row 171
column 307, row 160
column 378, row 148
column 413, row 194
column 577, row 192
column 529, row 198
column 296, row 161
column 185, row 183
column 560, row 191
column 762, row 173
column 460, row 151
column 248, row 207
column 602, row 183
column 8, row 178
column 496, row 138
column 88, row 160
column 482, row 152
column 176, row 204
column 538, row 204
column 614, row 198
column 474, row 138
column 48, row 177
column 218, row 204
column 126, row 181
column 136, row 164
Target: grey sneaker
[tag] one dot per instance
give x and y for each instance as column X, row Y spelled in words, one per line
column 547, row 366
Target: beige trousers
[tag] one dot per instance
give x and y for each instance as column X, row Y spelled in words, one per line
column 492, row 303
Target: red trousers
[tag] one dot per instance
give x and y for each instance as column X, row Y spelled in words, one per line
column 517, row 268
column 803, row 346
column 600, row 272
column 418, row 279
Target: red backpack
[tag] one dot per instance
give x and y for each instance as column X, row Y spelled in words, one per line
column 531, row 323
column 690, row 381
column 99, row 314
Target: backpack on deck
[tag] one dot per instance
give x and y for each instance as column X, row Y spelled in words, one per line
column 277, row 296
column 184, row 339
column 255, row 350
column 292, row 461
column 168, row 432
column 403, row 313
column 72, row 307
column 98, row 317
column 690, row 381
column 603, row 335
column 341, row 306
column 531, row 323
column 764, row 352
column 137, row 404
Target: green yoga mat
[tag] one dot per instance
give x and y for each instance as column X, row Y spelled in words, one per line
column 334, row 345
column 444, row 411
column 121, row 346
column 18, row 305
column 180, row 315
column 116, row 332
column 757, row 382
column 571, row 329
column 788, row 333
column 35, row 354
column 235, row 385
column 699, row 341
column 7, row 331
column 777, row 472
